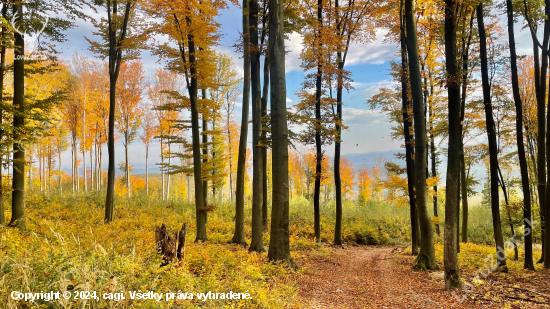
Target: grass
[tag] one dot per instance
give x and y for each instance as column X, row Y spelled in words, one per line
column 67, row 247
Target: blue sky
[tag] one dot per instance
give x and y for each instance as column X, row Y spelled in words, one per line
column 369, row 63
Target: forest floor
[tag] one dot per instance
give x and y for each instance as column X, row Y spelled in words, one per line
column 381, row 277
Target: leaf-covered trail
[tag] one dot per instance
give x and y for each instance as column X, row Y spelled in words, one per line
column 380, row 277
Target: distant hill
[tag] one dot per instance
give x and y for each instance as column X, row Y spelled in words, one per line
column 369, row 158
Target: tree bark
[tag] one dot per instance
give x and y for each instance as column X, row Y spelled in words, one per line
column 426, row 257
column 528, row 238
column 407, row 128
column 318, row 149
column 127, row 167
column 452, row 272
column 265, row 93
column 491, row 135
column 197, row 165
column 18, row 180
column 543, row 91
column 279, row 247
column 147, row 169
column 463, row 177
column 256, row 244
column 337, row 142
column 433, row 156
column 238, row 236
column 115, row 60
column 2, row 72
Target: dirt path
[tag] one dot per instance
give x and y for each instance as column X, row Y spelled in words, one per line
column 378, row 277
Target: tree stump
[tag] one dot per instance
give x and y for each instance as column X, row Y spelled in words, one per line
column 172, row 247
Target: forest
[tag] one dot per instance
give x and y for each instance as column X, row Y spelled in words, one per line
column 274, row 154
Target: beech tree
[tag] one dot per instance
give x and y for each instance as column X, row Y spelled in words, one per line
column 116, row 42
column 491, row 135
column 452, row 272
column 131, row 85
column 279, row 246
column 426, row 256
column 238, row 236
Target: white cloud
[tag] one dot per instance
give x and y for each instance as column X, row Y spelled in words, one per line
column 376, row 52
column 294, row 46
column 288, row 100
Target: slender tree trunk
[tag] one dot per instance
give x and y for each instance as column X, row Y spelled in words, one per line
column 238, row 236
column 540, row 91
column 127, row 167
column 452, row 272
column 2, row 72
column 204, row 152
column 426, row 257
column 92, row 168
column 279, row 247
column 60, row 173
column 491, row 135
column 337, row 142
column 407, row 132
column 162, row 169
column 543, row 91
column 464, row 178
column 528, row 238
column 256, row 244
column 432, row 151
column 115, row 60
column 18, row 180
column 197, row 168
column 147, row 170
column 464, row 184
column 265, row 94
column 84, row 142
column 168, row 175
column 318, row 149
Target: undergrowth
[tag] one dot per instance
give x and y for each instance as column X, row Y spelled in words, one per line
column 67, row 247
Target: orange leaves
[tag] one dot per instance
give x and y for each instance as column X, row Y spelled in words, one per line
column 130, row 87
column 347, row 174
column 364, row 179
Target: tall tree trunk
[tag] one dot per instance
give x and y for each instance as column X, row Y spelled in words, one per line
column 433, row 156
column 452, row 272
column 127, row 167
column 162, row 169
column 318, row 150
column 491, row 135
column 528, row 238
column 60, row 174
column 426, row 257
column 238, row 236
column 463, row 179
column 197, row 166
column 540, row 91
column 18, row 180
column 2, row 72
column 464, row 184
column 115, row 60
column 84, row 142
column 147, row 169
column 543, row 91
column 256, row 244
column 91, row 168
column 168, row 175
column 279, row 247
column 204, row 152
column 407, row 129
column 337, row 142
column 265, row 93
